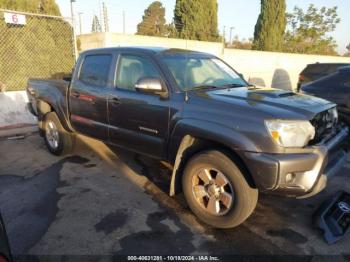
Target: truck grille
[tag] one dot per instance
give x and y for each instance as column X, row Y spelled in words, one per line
column 325, row 124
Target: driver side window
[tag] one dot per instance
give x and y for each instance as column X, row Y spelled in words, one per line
column 131, row 68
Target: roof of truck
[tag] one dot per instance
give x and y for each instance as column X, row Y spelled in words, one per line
column 149, row 50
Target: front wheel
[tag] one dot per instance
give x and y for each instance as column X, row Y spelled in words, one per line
column 57, row 139
column 217, row 191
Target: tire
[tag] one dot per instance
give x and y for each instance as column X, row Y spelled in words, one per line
column 58, row 141
column 226, row 179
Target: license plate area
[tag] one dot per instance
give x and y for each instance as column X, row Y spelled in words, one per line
column 333, row 217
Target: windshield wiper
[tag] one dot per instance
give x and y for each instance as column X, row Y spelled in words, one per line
column 203, row 87
column 234, row 85
column 214, row 86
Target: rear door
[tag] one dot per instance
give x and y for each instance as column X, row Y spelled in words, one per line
column 88, row 96
column 138, row 121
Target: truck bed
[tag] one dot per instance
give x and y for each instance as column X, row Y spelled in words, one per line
column 46, row 90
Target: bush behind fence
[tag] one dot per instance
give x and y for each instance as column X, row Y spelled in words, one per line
column 42, row 48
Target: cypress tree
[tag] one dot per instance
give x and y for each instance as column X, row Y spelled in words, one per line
column 153, row 21
column 196, row 19
column 212, row 16
column 271, row 25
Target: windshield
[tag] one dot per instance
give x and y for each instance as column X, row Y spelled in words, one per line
column 196, row 72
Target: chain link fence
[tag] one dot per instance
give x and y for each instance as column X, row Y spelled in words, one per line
column 33, row 46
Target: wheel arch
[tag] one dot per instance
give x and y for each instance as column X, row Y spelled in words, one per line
column 192, row 145
column 45, row 107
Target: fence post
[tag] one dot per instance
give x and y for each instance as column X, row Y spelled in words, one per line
column 74, row 32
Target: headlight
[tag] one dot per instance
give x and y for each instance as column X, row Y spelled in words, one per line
column 290, row 133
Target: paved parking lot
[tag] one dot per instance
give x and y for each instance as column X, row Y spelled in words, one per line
column 102, row 200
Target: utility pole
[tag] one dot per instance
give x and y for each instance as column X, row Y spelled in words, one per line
column 100, row 13
column 231, row 28
column 74, row 33
column 123, row 22
column 223, row 40
column 105, row 17
column 80, row 25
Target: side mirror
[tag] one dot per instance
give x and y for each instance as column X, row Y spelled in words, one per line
column 151, row 85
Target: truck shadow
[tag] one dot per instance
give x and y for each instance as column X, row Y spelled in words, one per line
column 284, row 222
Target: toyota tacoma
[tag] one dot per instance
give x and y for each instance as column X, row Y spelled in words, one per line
column 227, row 140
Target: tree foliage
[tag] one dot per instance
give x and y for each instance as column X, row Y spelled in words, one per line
column 48, row 7
column 196, row 19
column 270, row 27
column 153, row 21
column 308, row 31
column 241, row 43
column 96, row 26
column 348, row 52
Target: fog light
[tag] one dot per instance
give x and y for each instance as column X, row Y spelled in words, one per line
column 290, row 178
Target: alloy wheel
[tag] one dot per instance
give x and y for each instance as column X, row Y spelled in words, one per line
column 213, row 191
column 52, row 135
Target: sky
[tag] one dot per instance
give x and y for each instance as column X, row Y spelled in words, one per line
column 239, row 14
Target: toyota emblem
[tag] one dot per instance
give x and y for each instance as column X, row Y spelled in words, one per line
column 345, row 207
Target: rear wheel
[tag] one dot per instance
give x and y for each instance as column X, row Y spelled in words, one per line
column 57, row 139
column 216, row 190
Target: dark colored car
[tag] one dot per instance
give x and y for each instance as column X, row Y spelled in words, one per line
column 335, row 88
column 5, row 253
column 315, row 71
column 226, row 140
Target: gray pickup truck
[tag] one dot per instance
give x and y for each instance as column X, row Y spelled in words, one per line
column 226, row 140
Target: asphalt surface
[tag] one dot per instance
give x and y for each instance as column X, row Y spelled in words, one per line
column 106, row 201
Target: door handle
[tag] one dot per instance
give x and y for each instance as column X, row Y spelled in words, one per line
column 115, row 100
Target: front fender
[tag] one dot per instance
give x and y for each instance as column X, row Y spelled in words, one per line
column 210, row 131
column 184, row 138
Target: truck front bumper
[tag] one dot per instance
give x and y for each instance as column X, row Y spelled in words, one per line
column 302, row 174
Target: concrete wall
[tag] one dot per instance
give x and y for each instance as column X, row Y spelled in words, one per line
column 279, row 70
column 14, row 111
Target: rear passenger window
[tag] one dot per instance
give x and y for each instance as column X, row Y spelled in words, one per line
column 95, row 70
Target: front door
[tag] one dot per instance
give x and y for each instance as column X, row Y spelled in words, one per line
column 138, row 121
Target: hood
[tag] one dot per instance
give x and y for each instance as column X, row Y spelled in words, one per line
column 270, row 99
